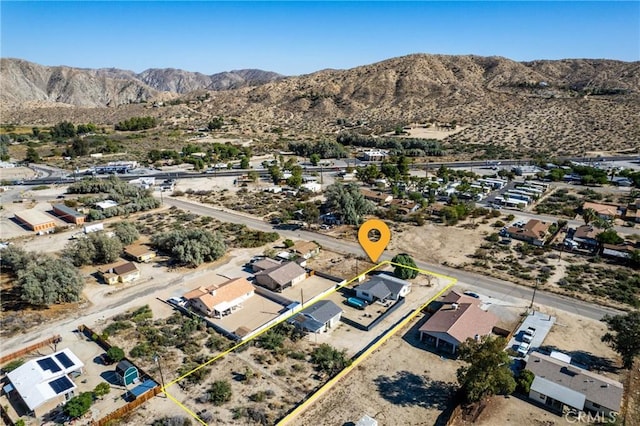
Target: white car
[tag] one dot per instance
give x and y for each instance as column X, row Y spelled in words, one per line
column 178, row 301
column 523, row 349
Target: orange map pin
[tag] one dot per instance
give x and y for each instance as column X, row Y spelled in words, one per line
column 374, row 249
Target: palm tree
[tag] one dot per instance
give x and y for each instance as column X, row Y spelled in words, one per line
column 589, row 215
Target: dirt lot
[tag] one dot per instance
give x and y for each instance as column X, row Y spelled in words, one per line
column 401, row 380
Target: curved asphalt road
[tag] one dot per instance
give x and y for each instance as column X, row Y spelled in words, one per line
column 488, row 285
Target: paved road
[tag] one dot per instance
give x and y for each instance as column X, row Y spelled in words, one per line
column 488, row 285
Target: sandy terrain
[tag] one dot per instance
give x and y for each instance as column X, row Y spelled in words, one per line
column 11, row 173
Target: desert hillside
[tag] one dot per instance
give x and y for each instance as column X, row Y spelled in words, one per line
column 572, row 105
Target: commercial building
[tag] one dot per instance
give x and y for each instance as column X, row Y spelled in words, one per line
column 35, row 220
column 68, row 214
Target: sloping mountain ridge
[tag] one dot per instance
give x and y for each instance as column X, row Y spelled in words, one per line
column 24, row 81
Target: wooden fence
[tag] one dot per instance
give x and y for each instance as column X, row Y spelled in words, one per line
column 22, row 352
column 5, row 417
column 125, row 409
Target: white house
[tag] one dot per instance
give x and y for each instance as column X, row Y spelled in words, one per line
column 44, row 383
column 383, row 287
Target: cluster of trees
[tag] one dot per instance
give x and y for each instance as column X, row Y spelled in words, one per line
column 588, row 175
column 394, row 170
column 323, row 149
column 411, row 147
column 131, row 198
column 190, row 247
column 79, row 405
column 4, row 148
column 216, row 123
column 329, row 359
column 98, row 248
column 456, row 211
column 95, row 248
column 43, row 279
column 137, row 123
column 347, row 202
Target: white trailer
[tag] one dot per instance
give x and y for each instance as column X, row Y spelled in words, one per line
column 93, row 228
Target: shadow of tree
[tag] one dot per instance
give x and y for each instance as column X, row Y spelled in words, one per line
column 406, row 388
column 585, row 359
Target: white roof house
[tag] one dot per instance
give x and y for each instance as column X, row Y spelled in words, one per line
column 42, row 379
column 103, row 205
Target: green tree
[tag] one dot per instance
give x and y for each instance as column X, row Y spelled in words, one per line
column 190, row 247
column 115, row 354
column 253, row 175
column 79, row 405
column 329, row 359
column 219, row 392
column 244, row 163
column 523, row 383
column 368, row 174
column 126, row 232
column 610, row 236
column 624, row 336
column 63, row 130
column 487, row 372
column 47, row 280
column 276, row 174
column 589, row 215
column 348, row 202
column 310, row 213
column 32, row 156
column 216, row 123
column 96, row 247
column 314, row 159
column 101, row 389
column 402, row 272
column 137, row 123
column 272, row 340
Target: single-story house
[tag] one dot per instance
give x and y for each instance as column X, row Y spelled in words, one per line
column 632, row 213
column 374, row 155
column 264, row 264
column 119, row 272
column 220, row 300
column 321, row 316
column 454, row 323
column 139, row 253
column 533, row 232
column 282, row 276
column 622, row 251
column 312, row 186
column 604, row 211
column 68, row 214
column 383, row 287
column 405, row 206
column 44, row 383
column 585, row 236
column 558, row 383
column 377, row 197
column 306, row 249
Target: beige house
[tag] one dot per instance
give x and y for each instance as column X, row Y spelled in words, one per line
column 533, row 232
column 282, row 276
column 220, row 300
column 119, row 272
column 456, row 322
column 139, row 253
column 306, row 249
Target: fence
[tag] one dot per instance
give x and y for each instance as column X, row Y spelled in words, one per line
column 21, row 352
column 5, row 417
column 125, row 409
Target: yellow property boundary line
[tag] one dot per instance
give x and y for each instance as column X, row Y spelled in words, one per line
column 300, row 408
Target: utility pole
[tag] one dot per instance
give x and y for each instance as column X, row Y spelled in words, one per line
column 533, row 296
column 156, row 358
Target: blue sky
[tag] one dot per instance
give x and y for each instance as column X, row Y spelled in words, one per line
column 301, row 37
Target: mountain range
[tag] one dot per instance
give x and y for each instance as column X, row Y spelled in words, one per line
column 557, row 105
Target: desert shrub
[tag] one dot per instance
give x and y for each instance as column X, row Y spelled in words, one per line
column 219, row 392
column 13, row 365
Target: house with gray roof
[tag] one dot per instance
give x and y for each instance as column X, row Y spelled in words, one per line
column 281, row 276
column 559, row 383
column 319, row 317
column 383, row 287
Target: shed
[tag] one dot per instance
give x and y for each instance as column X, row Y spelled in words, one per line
column 127, row 372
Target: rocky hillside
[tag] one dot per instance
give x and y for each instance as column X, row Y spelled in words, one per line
column 24, row 83
column 559, row 106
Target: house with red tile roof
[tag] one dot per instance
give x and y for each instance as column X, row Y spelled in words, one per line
column 219, row 300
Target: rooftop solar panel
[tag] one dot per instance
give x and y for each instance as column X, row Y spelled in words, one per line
column 49, row 364
column 64, row 360
column 61, row 385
